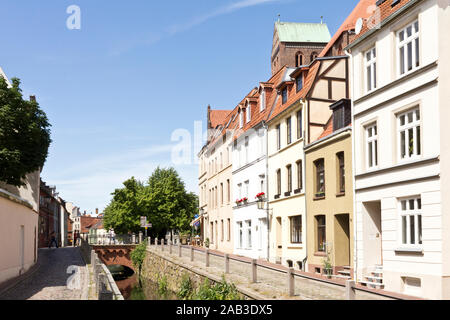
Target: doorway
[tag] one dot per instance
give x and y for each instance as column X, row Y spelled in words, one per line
column 279, row 229
column 372, row 234
column 342, row 239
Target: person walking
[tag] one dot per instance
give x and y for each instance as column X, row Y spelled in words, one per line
column 53, row 240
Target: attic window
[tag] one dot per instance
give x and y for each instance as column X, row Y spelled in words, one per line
column 284, row 95
column 342, row 115
column 299, row 82
column 249, row 113
column 262, row 101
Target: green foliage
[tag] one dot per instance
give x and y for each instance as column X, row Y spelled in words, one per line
column 163, row 200
column 220, row 291
column 186, row 288
column 138, row 256
column 24, row 134
column 163, row 287
column 207, row 242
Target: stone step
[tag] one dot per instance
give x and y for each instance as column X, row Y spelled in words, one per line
column 344, row 272
column 372, row 285
column 342, row 277
column 374, row 279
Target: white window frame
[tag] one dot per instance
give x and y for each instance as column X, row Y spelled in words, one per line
column 248, row 233
column 370, row 65
column 240, row 234
column 415, row 34
column 416, row 123
column 241, row 119
column 247, row 184
column 407, row 213
column 248, row 114
column 372, row 149
column 262, row 102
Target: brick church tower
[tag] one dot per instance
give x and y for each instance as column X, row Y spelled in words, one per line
column 296, row 44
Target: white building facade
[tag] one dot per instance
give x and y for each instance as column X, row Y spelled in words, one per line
column 249, row 158
column 401, row 157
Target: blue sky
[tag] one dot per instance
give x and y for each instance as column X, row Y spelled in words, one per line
column 137, row 70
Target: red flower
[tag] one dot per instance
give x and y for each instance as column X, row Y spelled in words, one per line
column 260, row 195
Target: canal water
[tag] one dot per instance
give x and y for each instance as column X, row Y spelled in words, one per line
column 131, row 289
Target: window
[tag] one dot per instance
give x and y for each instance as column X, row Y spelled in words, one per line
column 372, row 146
column 411, row 221
column 212, row 232
column 221, row 193
column 228, row 190
column 299, row 175
column 371, row 69
column 321, row 233
column 289, row 178
column 278, row 137
column 284, row 95
column 408, row 48
column 320, row 177
column 249, row 113
column 262, row 101
column 288, row 130
column 299, row 124
column 278, row 181
column 249, row 234
column 247, row 183
column 299, row 82
column 216, row 197
column 313, row 56
column 342, row 115
column 221, row 230
column 341, row 171
column 241, row 242
column 228, row 229
column 240, row 190
column 409, row 134
column 296, row 229
column 241, row 119
column 298, row 59
column 246, row 149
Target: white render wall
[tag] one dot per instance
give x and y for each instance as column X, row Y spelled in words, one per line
column 253, row 170
column 419, row 177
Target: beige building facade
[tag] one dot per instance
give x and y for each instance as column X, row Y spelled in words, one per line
column 18, row 227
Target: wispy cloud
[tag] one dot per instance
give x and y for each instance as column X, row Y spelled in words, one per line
column 195, row 21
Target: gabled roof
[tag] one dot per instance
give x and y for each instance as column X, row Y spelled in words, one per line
column 360, row 11
column 217, row 117
column 303, row 32
column 386, row 10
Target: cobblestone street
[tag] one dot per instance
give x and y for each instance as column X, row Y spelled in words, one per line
column 49, row 282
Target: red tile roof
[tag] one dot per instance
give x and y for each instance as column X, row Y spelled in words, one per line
column 385, row 11
column 217, row 117
column 361, row 10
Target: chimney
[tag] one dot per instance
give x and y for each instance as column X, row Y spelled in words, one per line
column 33, row 98
column 96, row 211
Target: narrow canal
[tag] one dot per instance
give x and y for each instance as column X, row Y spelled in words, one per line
column 130, row 287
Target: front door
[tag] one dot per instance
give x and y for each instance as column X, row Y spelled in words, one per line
column 372, row 240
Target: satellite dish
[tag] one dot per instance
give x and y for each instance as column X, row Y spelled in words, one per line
column 359, row 25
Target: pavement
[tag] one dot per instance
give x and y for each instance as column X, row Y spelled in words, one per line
column 271, row 283
column 62, row 275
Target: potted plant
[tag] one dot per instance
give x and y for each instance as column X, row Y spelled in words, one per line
column 245, row 200
column 260, row 196
column 207, row 242
column 238, row 202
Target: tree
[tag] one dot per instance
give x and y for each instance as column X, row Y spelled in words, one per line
column 24, row 134
column 163, row 200
column 124, row 211
column 169, row 206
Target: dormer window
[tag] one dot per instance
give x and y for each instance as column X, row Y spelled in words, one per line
column 342, row 114
column 284, row 95
column 249, row 114
column 299, row 82
column 241, row 119
column 262, row 101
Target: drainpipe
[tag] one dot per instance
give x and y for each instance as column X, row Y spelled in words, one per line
column 355, row 231
column 266, row 127
column 305, row 260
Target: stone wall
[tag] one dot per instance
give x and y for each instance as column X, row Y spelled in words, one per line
column 156, row 267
